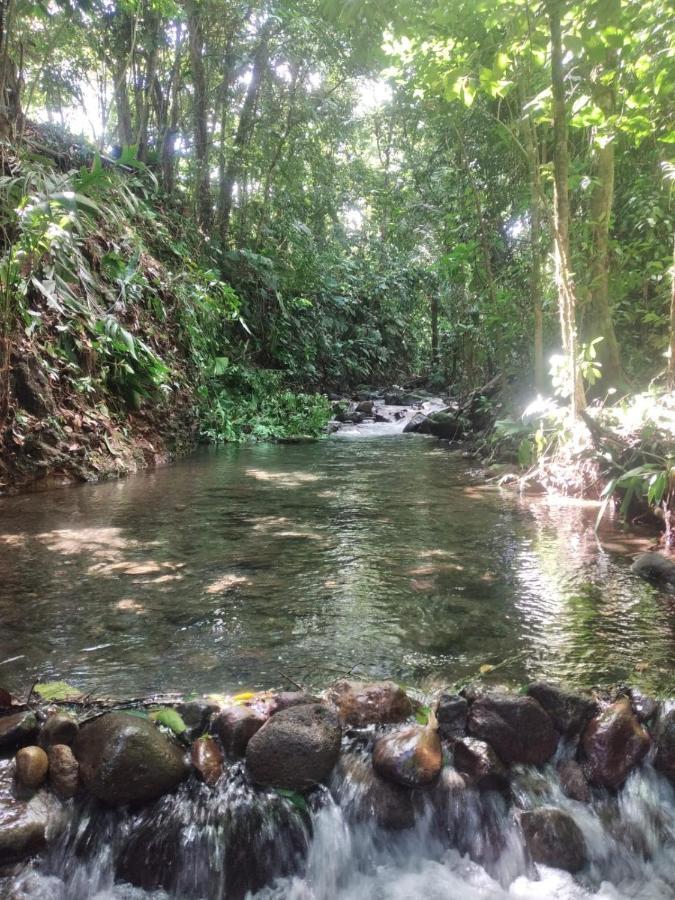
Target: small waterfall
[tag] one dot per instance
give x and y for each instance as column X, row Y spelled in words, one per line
column 345, row 842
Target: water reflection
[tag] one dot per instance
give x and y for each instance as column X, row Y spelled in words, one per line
column 250, row 566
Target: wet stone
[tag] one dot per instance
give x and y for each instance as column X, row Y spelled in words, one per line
column 64, row 771
column 554, row 839
column 365, row 796
column 569, row 712
column 452, row 712
column 207, row 758
column 614, row 742
column 644, row 707
column 411, row 757
column 235, row 726
column 59, row 728
column 573, row 781
column 30, row 769
column 516, row 727
column 376, row 703
column 477, row 760
column 196, row 714
column 665, row 745
column 17, row 730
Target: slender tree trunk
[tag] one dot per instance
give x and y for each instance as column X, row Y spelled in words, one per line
column 434, row 331
column 150, row 71
column 125, row 134
column 671, row 361
column 567, row 300
column 203, row 206
column 598, row 317
column 169, row 128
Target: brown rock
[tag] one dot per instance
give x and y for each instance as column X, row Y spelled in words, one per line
column 573, row 781
column 411, row 757
column 367, row 797
column 480, row 763
column 207, row 758
column 17, row 730
column 452, row 712
column 569, row 712
column 64, row 771
column 377, row 703
column 515, row 726
column 665, row 746
column 553, row 838
column 235, row 726
column 58, row 729
column 614, row 742
column 30, row 771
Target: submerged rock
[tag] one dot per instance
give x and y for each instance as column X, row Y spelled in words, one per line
column 452, row 712
column 126, row 759
column 665, row 746
column 64, row 771
column 196, row 714
column 655, row 567
column 17, row 730
column 411, row 757
column 516, row 727
column 553, row 838
column 614, row 742
column 25, row 825
column 367, row 797
column 30, row 769
column 207, row 758
column 296, row 749
column 477, row 760
column 376, row 703
column 235, row 726
column 569, row 712
column 59, row 728
column 573, row 781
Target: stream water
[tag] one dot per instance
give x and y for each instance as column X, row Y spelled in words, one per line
column 374, row 554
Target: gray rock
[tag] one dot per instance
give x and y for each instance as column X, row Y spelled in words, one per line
column 573, row 781
column 655, row 567
column 287, row 699
column 451, row 713
column 295, row 749
column 515, row 726
column 554, row 839
column 569, row 712
column 197, row 714
column 614, row 742
column 125, row 759
column 644, row 707
column 17, row 730
column 414, row 425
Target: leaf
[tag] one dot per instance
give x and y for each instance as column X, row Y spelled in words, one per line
column 56, row 690
column 169, row 718
column 485, row 668
column 295, row 798
column 243, row 697
column 422, row 715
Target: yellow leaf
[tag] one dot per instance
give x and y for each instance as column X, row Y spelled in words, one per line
column 243, row 697
column 485, row 668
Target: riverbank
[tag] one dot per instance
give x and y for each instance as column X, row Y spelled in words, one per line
column 538, row 780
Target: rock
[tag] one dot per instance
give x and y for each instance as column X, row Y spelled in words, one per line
column 64, row 771
column 614, row 742
column 32, row 388
column 479, row 761
column 24, row 824
column 411, row 757
column 442, row 424
column 30, row 770
column 207, row 758
column 665, row 745
column 516, row 727
column 5, row 700
column 295, row 749
column 58, row 729
column 377, row 703
column 554, row 839
column 383, row 417
column 235, row 726
column 573, row 781
column 126, row 759
column 288, row 699
column 415, row 424
column 366, row 407
column 451, row 713
column 655, row 567
column 367, row 797
column 197, row 715
column 644, row 707
column 569, row 712
column 17, row 730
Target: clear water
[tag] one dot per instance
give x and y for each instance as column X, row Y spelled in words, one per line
column 258, row 566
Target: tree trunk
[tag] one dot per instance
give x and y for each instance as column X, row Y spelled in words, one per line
column 671, row 361
column 125, row 134
column 169, row 129
column 598, row 317
column 203, row 207
column 150, row 72
column 567, row 300
column 434, row 331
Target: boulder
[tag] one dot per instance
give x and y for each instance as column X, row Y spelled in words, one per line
column 614, row 742
column 553, row 838
column 64, row 771
column 235, row 726
column 24, row 824
column 196, row 714
column 207, row 758
column 515, row 726
column 125, row 759
column 569, row 712
column 644, row 707
column 366, row 407
column 17, row 730
column 59, row 728
column 414, row 425
column 411, row 757
column 287, row 699
column 665, row 745
column 442, row 424
column 377, row 703
column 367, row 797
column 451, row 713
column 30, row 769
column 655, row 567
column 296, row 749
column 480, row 763
column 573, row 781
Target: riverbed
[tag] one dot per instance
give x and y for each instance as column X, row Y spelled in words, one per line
column 377, row 554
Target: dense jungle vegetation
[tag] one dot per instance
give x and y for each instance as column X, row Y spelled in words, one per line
column 213, row 212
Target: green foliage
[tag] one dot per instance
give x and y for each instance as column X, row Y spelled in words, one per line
column 170, row 719
column 56, row 690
